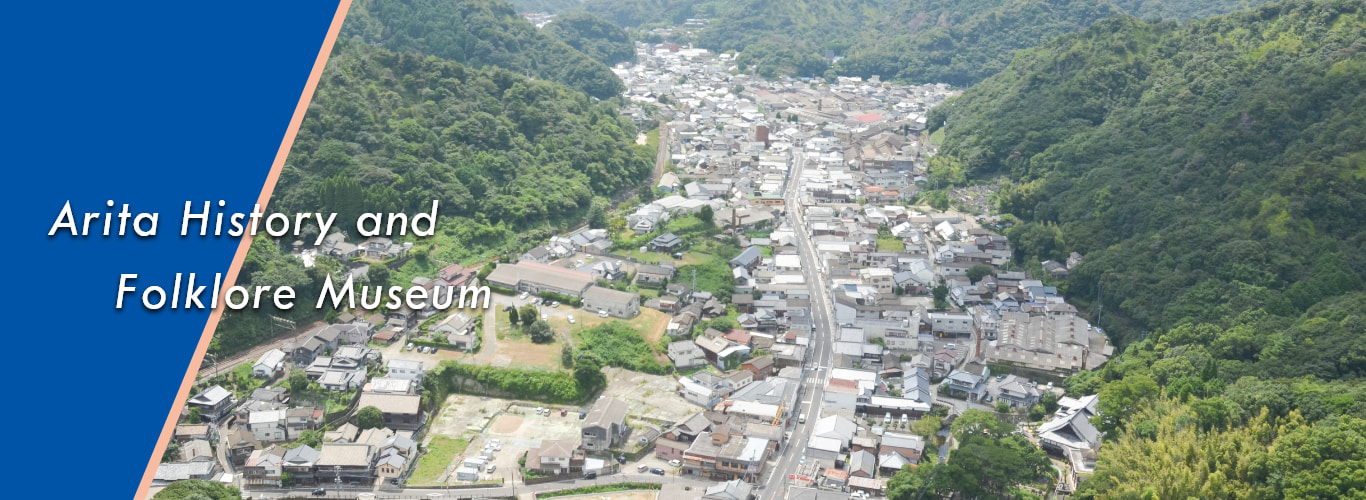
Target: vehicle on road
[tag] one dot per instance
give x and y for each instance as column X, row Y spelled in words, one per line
column 590, row 475
column 319, row 492
column 801, row 419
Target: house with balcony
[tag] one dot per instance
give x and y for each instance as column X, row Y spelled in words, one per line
column 605, row 426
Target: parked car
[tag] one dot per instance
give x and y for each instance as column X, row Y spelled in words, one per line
column 319, row 492
column 536, row 301
column 602, row 313
column 410, row 346
column 563, row 412
column 642, row 468
column 657, row 471
column 801, row 419
column 491, row 468
column 590, row 475
column 1000, row 377
column 554, row 304
column 571, row 319
column 582, row 414
column 522, row 296
column 676, row 463
column 545, row 317
column 507, row 308
column 431, row 350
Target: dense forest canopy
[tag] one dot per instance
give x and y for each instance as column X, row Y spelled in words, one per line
column 1211, row 173
column 956, row 41
column 595, row 37
column 478, row 33
column 548, row 6
column 1204, row 170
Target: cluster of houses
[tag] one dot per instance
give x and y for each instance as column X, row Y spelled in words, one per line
column 258, row 435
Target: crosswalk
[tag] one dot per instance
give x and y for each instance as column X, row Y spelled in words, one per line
column 814, row 380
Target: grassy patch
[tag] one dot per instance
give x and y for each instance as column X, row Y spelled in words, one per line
column 890, row 244
column 652, row 139
column 440, row 453
column 588, row 490
column 616, row 344
column 937, row 137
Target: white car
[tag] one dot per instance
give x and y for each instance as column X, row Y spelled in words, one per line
column 571, row 319
column 602, row 313
column 545, row 317
column 410, row 346
column 522, row 296
column 675, row 463
column 492, row 467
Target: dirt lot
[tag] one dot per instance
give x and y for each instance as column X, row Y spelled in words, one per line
column 518, row 428
column 650, row 396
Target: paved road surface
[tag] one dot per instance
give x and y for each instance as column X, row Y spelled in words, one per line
column 819, row 351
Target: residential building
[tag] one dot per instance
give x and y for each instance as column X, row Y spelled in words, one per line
column 620, row 304
column 605, row 426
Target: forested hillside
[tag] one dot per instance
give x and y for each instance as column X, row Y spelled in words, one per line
column 1204, row 170
column 550, row 6
column 478, row 33
column 1212, row 174
column 964, row 41
column 595, row 37
column 955, row 41
column 510, row 159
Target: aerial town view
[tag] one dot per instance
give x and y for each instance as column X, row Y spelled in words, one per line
column 716, row 279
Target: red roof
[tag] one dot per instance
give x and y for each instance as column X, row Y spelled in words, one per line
column 738, row 336
column 869, row 118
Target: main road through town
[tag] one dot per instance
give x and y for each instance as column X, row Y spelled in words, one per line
column 817, row 366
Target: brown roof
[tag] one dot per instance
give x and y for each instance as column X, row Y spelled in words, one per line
column 396, row 404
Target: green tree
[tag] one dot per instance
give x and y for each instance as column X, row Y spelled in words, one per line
column 369, row 418
column 597, row 217
column 1037, row 413
column 529, row 315
column 312, row 438
column 540, row 332
column 1002, row 407
column 195, row 489
column 975, row 422
column 566, row 356
column 706, row 216
column 378, row 275
column 512, row 316
column 990, row 467
column 172, row 453
column 978, row 271
column 298, row 382
column 941, row 295
column 588, row 373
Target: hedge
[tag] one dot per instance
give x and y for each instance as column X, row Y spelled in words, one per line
column 563, row 299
